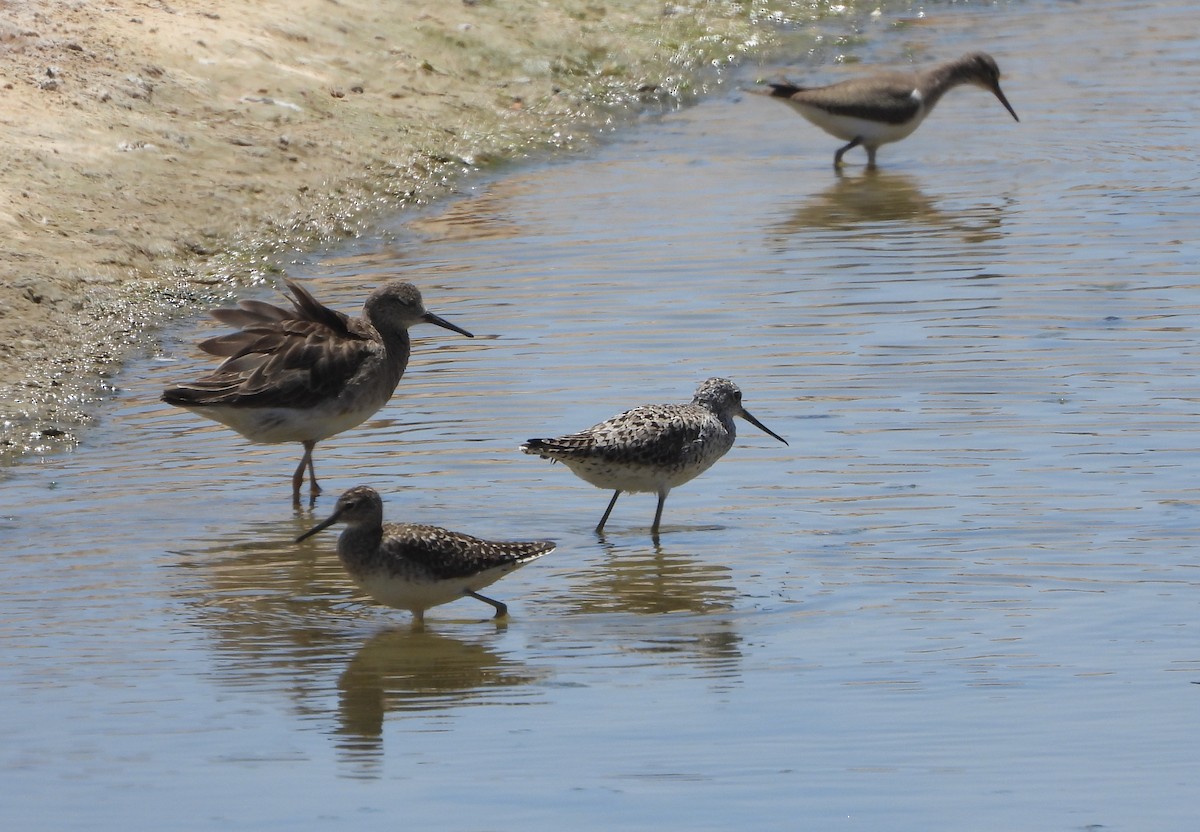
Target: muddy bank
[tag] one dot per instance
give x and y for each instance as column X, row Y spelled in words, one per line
column 158, row 153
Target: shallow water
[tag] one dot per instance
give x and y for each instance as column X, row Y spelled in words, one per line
column 963, row 598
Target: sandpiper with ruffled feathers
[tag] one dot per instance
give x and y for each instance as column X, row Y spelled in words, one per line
column 413, row 567
column 883, row 107
column 306, row 373
column 653, row 448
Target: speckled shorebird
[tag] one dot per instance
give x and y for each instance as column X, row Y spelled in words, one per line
column 413, row 567
column 654, row 447
column 885, row 107
column 307, row 373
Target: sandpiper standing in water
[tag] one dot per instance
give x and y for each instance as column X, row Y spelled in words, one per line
column 412, row 567
column 307, row 373
column 653, row 447
column 884, row 107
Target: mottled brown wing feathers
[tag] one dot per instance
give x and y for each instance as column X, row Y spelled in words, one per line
column 559, row 447
column 252, row 313
column 892, row 109
column 310, row 309
column 295, row 373
column 280, row 358
column 448, row 554
column 651, row 434
column 889, row 99
column 664, row 442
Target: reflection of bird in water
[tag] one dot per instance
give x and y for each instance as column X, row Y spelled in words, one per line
column 306, row 373
column 413, row 567
column 875, row 197
column 258, row 600
column 653, row 447
column 652, row 581
column 670, row 606
column 400, row 670
column 883, row 107
column 878, row 198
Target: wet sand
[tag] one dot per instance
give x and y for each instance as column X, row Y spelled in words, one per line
column 158, row 153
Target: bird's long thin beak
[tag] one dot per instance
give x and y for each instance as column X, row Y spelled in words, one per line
column 1000, row 94
column 320, row 527
column 746, row 415
column 431, row 318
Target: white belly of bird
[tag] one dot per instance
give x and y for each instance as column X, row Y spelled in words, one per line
column 422, row 594
column 634, row 478
column 872, row 133
column 271, row 425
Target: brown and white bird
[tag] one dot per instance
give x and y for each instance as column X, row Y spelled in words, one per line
column 882, row 107
column 413, row 567
column 655, row 447
column 306, row 373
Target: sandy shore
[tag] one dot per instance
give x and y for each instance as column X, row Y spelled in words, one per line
column 154, row 151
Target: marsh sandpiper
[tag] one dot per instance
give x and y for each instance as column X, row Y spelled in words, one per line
column 307, row 373
column 883, row 107
column 413, row 567
column 653, row 448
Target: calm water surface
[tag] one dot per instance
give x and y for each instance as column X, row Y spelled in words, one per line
column 965, row 597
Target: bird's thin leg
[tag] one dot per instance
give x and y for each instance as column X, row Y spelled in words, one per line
column 837, row 157
column 608, row 511
column 871, row 158
column 309, row 444
column 418, row 622
column 662, row 499
column 298, row 477
column 501, row 607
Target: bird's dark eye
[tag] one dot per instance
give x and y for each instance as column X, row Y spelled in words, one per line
column 738, row 395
